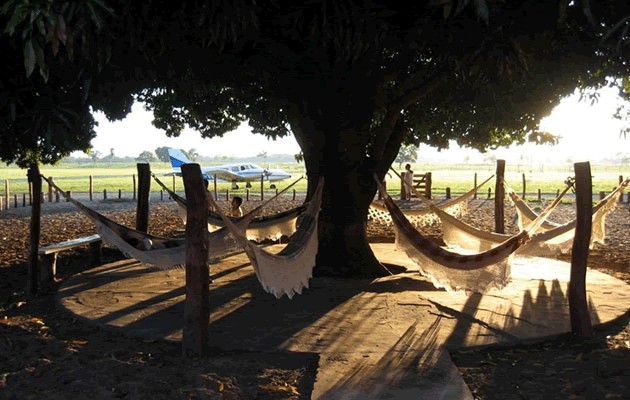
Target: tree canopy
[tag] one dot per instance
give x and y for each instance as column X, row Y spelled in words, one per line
column 351, row 80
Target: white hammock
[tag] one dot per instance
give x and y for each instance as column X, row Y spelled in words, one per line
column 157, row 251
column 271, row 227
column 425, row 217
column 290, row 270
column 559, row 240
column 477, row 272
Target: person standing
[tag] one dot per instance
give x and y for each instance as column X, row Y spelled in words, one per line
column 407, row 182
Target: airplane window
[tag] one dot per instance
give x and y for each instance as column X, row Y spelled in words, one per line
column 242, row 168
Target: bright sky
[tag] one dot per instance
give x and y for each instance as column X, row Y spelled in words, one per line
column 588, row 133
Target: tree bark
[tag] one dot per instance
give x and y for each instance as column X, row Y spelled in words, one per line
column 344, row 250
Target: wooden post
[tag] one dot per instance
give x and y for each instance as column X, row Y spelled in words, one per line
column 475, row 185
column 91, row 188
column 578, row 304
column 293, row 194
column 161, row 195
column 119, row 194
column 15, row 201
column 214, row 180
column 196, row 303
column 134, row 185
column 539, row 195
column 489, row 193
column 50, row 189
column 428, row 184
column 144, row 188
column 227, row 195
column 448, row 193
column 24, row 198
column 262, row 187
column 34, row 179
column 524, row 186
column 104, row 194
column 247, row 194
column 499, row 196
column 6, row 192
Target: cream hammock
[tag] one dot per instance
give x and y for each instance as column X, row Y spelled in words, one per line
column 288, row 271
column 477, row 272
column 157, row 251
column 460, row 234
column 425, row 217
column 559, row 239
column 271, row 227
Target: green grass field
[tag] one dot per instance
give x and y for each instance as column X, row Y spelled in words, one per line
column 113, row 178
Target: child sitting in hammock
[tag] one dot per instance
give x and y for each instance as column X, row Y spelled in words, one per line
column 236, row 210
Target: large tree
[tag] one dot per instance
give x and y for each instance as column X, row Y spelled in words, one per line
column 351, row 80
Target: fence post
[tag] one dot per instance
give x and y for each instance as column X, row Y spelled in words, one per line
column 262, row 187
column 524, row 186
column 91, row 188
column 475, row 185
column 539, row 195
column 427, row 188
column 448, row 193
column 134, row 185
column 104, row 194
column 247, row 194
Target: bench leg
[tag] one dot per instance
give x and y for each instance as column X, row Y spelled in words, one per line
column 95, row 253
column 47, row 268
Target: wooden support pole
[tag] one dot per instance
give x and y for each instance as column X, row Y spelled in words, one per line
column 34, row 179
column 144, row 188
column 6, row 192
column 475, row 185
column 196, row 303
column 91, row 188
column 262, row 187
column 524, row 186
column 448, row 193
column 499, row 197
column 50, row 189
column 135, row 189
column 578, row 304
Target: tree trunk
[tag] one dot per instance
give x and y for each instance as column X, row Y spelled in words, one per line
column 344, row 250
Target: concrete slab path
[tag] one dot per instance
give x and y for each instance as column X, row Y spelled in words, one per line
column 376, row 339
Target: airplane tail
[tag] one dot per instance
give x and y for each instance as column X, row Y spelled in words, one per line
column 178, row 158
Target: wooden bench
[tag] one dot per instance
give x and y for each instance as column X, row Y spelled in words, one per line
column 48, row 254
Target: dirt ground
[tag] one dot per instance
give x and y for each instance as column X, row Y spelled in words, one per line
column 46, row 353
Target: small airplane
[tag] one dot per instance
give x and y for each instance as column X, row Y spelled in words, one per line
column 245, row 172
